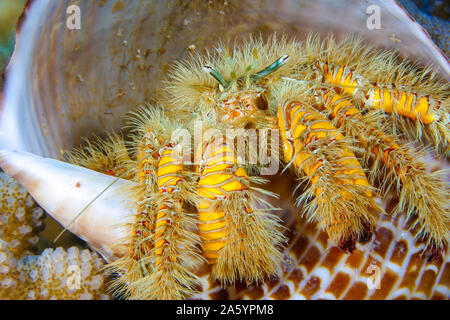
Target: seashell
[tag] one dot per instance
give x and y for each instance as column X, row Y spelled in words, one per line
column 63, row 190
column 65, row 84
column 53, row 95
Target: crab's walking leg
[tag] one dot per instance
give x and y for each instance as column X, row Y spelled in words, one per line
column 110, row 156
column 137, row 264
column 163, row 248
column 343, row 201
column 174, row 250
column 428, row 113
column 420, row 192
column 239, row 240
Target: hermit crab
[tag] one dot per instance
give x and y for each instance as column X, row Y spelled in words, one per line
column 321, row 95
column 310, row 93
column 181, row 198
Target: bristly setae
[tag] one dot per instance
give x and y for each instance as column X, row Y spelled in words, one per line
column 345, row 112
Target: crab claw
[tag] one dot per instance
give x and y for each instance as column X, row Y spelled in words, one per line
column 63, row 190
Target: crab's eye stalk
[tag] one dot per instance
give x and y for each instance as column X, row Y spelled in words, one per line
column 281, row 61
column 223, row 83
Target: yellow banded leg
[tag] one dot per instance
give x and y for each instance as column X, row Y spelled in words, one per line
column 241, row 242
column 390, row 100
column 137, row 264
column 342, row 199
column 404, row 171
column 174, row 252
column 427, row 114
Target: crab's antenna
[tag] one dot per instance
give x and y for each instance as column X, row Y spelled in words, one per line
column 281, row 61
column 216, row 76
column 84, row 209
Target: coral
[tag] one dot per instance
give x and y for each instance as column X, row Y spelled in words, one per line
column 20, row 219
column 55, row 273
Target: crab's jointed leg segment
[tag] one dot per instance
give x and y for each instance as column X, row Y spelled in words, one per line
column 340, row 75
column 174, row 241
column 430, row 115
column 239, row 240
column 420, row 192
column 343, row 203
column 142, row 242
column 380, row 96
column 164, row 244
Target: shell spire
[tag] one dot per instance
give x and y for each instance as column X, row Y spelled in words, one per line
column 63, row 190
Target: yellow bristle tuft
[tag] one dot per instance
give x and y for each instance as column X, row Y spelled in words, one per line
column 109, row 156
